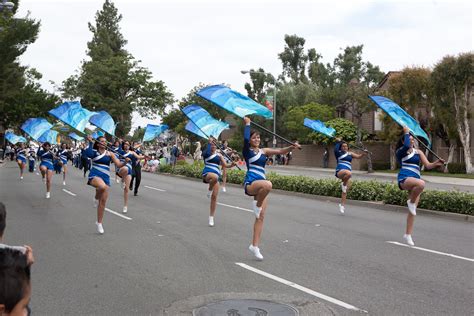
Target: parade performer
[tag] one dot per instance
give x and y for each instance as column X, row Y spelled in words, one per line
column 255, row 183
column 21, row 158
column 344, row 168
column 409, row 179
column 99, row 176
column 63, row 154
column 46, row 165
column 211, row 174
column 137, row 169
column 125, row 171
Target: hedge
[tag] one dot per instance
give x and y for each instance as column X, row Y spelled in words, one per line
column 388, row 193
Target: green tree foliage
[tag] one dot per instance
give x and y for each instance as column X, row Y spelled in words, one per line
column 294, row 59
column 112, row 80
column 295, row 116
column 452, row 82
column 345, row 129
column 259, row 86
column 21, row 96
column 192, row 98
column 138, row 134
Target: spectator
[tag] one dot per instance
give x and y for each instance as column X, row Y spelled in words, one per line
column 15, row 286
column 174, row 155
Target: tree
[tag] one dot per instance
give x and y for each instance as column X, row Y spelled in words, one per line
column 453, row 79
column 295, row 116
column 21, row 96
column 294, row 59
column 112, row 79
column 138, row 134
column 259, row 86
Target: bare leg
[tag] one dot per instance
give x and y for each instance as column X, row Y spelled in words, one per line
column 415, row 187
column 258, row 225
column 126, row 189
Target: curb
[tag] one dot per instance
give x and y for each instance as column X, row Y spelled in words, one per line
column 370, row 204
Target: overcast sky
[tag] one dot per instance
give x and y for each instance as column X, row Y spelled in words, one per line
column 184, row 43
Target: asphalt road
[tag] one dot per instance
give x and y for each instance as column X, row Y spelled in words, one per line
column 432, row 183
column 165, row 252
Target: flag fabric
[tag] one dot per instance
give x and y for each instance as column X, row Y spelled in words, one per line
column 72, row 114
column 35, row 127
column 97, row 134
column 50, row 136
column 233, row 101
column 12, row 138
column 400, row 116
column 191, row 127
column 319, row 127
column 203, row 121
column 75, row 136
column 104, row 121
column 153, row 131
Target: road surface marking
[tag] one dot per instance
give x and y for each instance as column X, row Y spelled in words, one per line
column 69, row 192
column 301, row 288
column 236, row 207
column 161, row 190
column 118, row 214
column 432, row 251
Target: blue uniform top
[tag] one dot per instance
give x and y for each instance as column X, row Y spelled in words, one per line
column 255, row 161
column 127, row 154
column 138, row 152
column 409, row 162
column 211, row 162
column 21, row 154
column 344, row 159
column 100, row 164
column 31, row 154
column 63, row 155
column 46, row 157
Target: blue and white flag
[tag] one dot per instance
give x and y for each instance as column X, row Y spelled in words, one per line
column 13, row 138
column 319, row 127
column 208, row 125
column 400, row 116
column 76, row 137
column 72, row 114
column 35, row 127
column 104, row 121
column 50, row 136
column 153, row 131
column 233, row 101
column 191, row 127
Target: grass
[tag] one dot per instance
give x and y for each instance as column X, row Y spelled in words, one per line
column 436, row 174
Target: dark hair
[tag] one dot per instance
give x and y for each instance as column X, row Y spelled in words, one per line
column 400, row 142
column 3, row 218
column 123, row 144
column 96, row 144
column 14, row 277
column 254, row 132
column 46, row 144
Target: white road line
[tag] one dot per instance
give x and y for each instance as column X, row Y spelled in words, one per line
column 301, row 288
column 432, row 251
column 161, row 190
column 118, row 214
column 69, row 192
column 236, row 207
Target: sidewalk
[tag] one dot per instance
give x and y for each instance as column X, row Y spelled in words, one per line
column 388, row 176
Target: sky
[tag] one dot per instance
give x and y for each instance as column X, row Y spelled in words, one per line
column 187, row 42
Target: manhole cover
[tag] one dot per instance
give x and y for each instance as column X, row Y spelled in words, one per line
column 245, row 308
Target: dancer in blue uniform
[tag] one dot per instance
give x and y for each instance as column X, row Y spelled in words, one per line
column 21, row 158
column 409, row 179
column 255, row 183
column 63, row 152
column 125, row 172
column 211, row 173
column 46, row 165
column 99, row 175
column 344, row 168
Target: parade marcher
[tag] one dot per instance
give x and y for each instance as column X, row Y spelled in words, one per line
column 255, row 183
column 21, row 158
column 31, row 159
column 211, row 174
column 116, row 148
column 63, row 155
column 409, row 178
column 344, row 168
column 125, row 171
column 99, row 176
column 137, row 170
column 46, row 165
